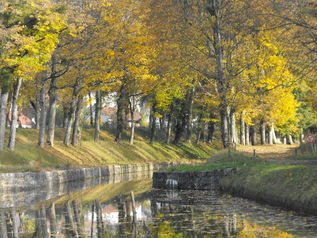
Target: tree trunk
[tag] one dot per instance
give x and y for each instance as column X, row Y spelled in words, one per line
column 181, row 121
column 69, row 220
column 3, row 115
column 271, row 135
column 179, row 129
column 37, row 106
column 199, row 128
column 97, row 116
column 76, row 125
column 9, row 103
column 274, row 135
column 301, row 136
column 242, row 129
column 211, row 127
column 211, row 130
column 92, row 220
column 153, row 124
column 52, row 112
column 284, row 140
column 71, row 113
column 41, row 224
column 234, row 136
column 78, row 217
column 14, row 114
column 91, row 111
column 42, row 102
column 162, row 122
column 262, row 132
column 132, row 110
column 201, row 133
column 169, row 129
column 188, row 114
column 222, row 83
column 52, row 219
column 224, row 127
column 122, row 99
column 150, row 119
column 253, row 135
column 65, row 113
column 70, row 117
column 247, row 134
column 99, row 218
column 290, row 139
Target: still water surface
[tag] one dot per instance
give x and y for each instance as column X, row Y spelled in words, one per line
column 107, row 211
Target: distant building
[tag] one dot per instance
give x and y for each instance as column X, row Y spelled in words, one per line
column 23, row 121
column 109, row 110
column 109, row 116
column 137, row 117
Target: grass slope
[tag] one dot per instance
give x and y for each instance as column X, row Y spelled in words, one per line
column 292, row 186
column 29, row 157
column 287, row 185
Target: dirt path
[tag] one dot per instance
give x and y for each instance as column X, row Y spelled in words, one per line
column 269, row 151
column 275, row 153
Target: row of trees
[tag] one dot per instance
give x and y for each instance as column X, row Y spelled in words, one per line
column 198, row 64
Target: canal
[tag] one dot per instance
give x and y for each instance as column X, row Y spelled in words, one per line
column 108, row 210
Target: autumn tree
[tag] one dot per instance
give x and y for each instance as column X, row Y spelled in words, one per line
column 27, row 50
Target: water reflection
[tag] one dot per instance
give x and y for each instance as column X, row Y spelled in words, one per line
column 112, row 211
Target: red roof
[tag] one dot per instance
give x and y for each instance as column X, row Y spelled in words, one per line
column 136, row 116
column 22, row 119
column 109, row 111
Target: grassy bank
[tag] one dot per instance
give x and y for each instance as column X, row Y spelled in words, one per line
column 219, row 160
column 290, row 186
column 29, row 157
column 205, row 167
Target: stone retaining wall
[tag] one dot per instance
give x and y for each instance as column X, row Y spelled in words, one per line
column 202, row 180
column 32, row 180
column 25, row 189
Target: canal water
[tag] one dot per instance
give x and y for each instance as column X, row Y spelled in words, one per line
column 108, row 210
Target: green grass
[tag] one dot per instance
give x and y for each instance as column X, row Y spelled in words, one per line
column 206, row 166
column 287, row 184
column 29, row 157
column 219, row 160
column 308, row 156
column 304, row 153
column 290, row 183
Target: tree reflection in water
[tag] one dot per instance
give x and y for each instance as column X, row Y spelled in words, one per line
column 156, row 214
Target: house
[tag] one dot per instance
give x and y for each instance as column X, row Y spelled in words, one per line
column 109, row 116
column 137, row 117
column 23, row 120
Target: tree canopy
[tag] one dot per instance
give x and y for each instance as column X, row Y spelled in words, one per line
column 197, row 65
